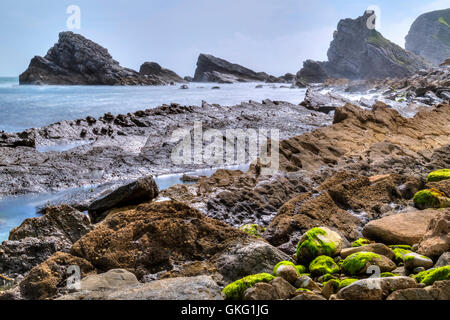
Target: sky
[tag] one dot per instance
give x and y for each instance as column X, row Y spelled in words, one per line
column 274, row 36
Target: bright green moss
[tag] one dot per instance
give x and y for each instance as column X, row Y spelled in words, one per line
column 283, row 263
column 401, row 246
column 430, row 198
column 388, row 275
column 235, row 290
column 315, row 244
column 326, row 277
column 356, row 262
column 439, row 175
column 304, row 275
column 303, row 290
column 399, row 254
column 252, row 229
column 346, row 282
column 300, row 269
column 323, row 265
column 360, row 242
column 442, row 20
column 428, row 277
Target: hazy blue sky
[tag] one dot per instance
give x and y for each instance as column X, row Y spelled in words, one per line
column 274, row 36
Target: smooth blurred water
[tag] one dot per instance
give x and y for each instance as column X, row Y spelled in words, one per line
column 14, row 210
column 24, row 107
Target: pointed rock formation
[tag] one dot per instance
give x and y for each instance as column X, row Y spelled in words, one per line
column 359, row 52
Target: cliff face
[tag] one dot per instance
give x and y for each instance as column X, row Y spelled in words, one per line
column 358, row 52
column 75, row 60
column 429, row 36
column 213, row 69
column 153, row 69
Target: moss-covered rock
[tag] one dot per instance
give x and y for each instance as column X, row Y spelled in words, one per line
column 346, row 282
column 439, row 175
column 431, row 198
column 235, row 290
column 400, row 246
column 300, row 269
column 399, row 254
column 428, row 277
column 282, row 263
column 413, row 260
column 361, row 242
column 253, row 230
column 323, row 265
column 358, row 263
column 317, row 242
column 388, row 275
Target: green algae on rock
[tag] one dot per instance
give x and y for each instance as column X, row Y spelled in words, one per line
column 357, row 262
column 323, row 265
column 317, row 242
column 235, row 290
column 431, row 198
column 253, row 229
column 439, row 175
column 428, row 277
column 282, row 263
column 388, row 275
column 361, row 242
column 399, row 254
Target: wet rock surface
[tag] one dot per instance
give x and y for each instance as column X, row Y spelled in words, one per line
column 124, row 147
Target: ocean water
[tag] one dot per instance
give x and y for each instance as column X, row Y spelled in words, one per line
column 23, row 107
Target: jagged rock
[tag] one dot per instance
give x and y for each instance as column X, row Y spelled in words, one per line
column 358, row 52
column 375, row 288
column 436, row 240
column 75, row 60
column 36, row 239
column 429, row 36
column 402, row 228
column 142, row 190
column 440, row 290
column 152, row 69
column 212, row 69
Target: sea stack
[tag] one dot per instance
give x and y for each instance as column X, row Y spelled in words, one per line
column 75, row 60
column 359, row 52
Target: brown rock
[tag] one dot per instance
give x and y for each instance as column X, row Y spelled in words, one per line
column 152, row 237
column 284, row 289
column 440, row 290
column 306, row 295
column 261, row 292
column 402, row 228
column 375, row 288
column 436, row 240
column 48, row 278
column 288, row 273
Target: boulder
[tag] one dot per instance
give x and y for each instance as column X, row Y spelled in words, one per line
column 414, row 260
column 155, row 237
column 75, row 60
column 241, row 258
column 261, row 292
column 436, row 240
column 48, row 279
column 283, row 288
column 115, row 279
column 402, row 228
column 317, row 242
column 440, row 290
column 182, row 288
column 309, row 296
column 429, row 36
column 287, row 272
column 375, row 288
column 139, row 191
column 444, row 260
column 305, row 282
column 314, row 100
column 359, row 262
